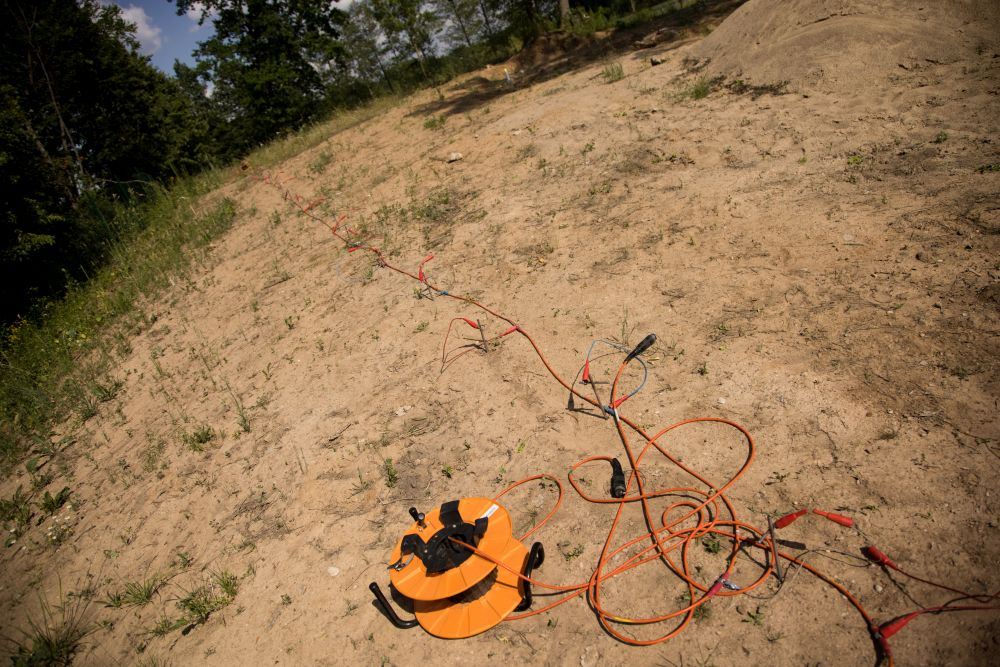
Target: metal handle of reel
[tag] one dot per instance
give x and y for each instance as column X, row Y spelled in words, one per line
column 382, row 602
column 535, row 560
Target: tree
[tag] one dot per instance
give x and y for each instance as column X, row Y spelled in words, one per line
column 84, row 115
column 268, row 62
column 366, row 47
column 409, row 27
column 464, row 22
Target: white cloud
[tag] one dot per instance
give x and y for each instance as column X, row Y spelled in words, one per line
column 147, row 33
column 195, row 12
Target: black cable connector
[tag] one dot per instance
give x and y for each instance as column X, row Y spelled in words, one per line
column 617, row 479
column 643, row 345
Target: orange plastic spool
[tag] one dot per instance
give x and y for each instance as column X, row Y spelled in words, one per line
column 482, row 606
column 410, row 575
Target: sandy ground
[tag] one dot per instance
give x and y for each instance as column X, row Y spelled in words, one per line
column 819, row 260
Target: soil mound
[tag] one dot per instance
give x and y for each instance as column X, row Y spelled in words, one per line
column 843, row 46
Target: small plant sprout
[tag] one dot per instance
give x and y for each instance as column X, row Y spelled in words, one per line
column 755, row 617
column 59, row 530
column 206, row 599
column 361, row 485
column 183, row 560
column 711, row 544
column 435, row 122
column 447, row 471
column 16, row 515
column 391, row 476
column 570, row 553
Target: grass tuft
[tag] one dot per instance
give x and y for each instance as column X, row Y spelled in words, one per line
column 139, row 593
column 613, row 72
column 54, row 638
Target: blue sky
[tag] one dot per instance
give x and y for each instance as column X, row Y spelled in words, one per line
column 164, row 35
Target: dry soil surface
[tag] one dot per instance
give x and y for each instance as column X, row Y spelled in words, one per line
column 819, row 259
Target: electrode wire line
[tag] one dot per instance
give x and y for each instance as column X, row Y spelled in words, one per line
column 665, row 537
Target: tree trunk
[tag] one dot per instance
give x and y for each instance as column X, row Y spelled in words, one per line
column 563, row 11
column 461, row 23
column 486, row 19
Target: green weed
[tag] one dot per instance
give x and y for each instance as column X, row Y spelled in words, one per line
column 16, row 516
column 107, row 391
column 361, row 485
column 198, row 438
column 51, row 504
column 199, row 604
column 711, row 544
column 613, row 72
column 322, row 161
column 435, row 122
column 391, row 476
column 140, row 593
column 755, row 617
column 568, row 553
column 701, row 88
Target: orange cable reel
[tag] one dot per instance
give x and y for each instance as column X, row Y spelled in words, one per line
column 461, row 569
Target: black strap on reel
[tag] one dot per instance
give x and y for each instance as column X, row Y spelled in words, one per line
column 440, row 553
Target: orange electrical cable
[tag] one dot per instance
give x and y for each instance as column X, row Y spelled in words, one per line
column 665, row 535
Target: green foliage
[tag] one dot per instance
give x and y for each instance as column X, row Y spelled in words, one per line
column 137, row 593
column 198, row 438
column 85, row 120
column 52, row 504
column 43, row 376
column 711, row 544
column 701, row 88
column 260, row 64
column 16, row 516
column 435, row 122
column 755, row 617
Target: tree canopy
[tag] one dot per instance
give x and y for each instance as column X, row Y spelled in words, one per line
column 83, row 114
column 86, row 120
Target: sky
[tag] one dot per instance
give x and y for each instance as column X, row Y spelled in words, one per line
column 164, row 35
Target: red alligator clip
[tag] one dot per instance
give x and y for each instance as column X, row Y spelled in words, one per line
column 788, row 518
column 836, row 518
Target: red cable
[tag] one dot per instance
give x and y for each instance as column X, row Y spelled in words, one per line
column 665, row 536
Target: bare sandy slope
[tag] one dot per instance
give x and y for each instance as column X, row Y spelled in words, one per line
column 820, row 266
